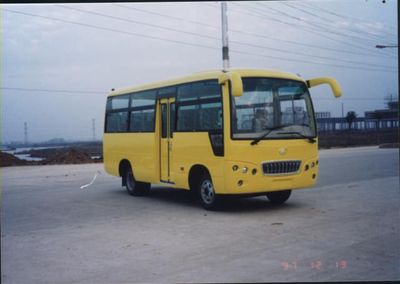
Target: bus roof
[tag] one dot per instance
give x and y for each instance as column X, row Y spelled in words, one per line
column 206, row 75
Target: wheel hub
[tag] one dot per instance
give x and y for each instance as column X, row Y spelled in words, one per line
column 207, row 192
column 130, row 181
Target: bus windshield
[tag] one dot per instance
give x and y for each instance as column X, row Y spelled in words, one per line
column 281, row 107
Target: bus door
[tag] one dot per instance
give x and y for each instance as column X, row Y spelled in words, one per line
column 167, row 107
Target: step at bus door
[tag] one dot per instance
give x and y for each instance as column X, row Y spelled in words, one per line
column 167, row 107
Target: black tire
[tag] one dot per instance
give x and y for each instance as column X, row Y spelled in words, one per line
column 279, row 197
column 206, row 193
column 134, row 187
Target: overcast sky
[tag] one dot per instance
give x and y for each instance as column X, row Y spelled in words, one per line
column 51, row 52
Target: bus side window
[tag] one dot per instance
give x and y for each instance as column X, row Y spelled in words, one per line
column 210, row 116
column 142, row 111
column 199, row 106
column 117, row 102
column 117, row 114
column 142, row 120
column 117, row 122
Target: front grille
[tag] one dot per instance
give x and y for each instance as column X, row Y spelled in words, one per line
column 281, row 167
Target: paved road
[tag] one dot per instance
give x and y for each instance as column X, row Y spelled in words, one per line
column 346, row 228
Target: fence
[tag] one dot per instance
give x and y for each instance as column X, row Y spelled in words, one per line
column 333, row 124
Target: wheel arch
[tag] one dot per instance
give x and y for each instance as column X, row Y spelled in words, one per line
column 124, row 165
column 195, row 173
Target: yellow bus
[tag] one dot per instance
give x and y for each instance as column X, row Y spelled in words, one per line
column 216, row 133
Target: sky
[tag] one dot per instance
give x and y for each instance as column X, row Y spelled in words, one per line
column 59, row 61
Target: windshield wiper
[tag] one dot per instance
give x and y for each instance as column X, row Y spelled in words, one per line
column 310, row 139
column 269, row 130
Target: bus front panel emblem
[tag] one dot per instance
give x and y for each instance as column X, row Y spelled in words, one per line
column 282, row 151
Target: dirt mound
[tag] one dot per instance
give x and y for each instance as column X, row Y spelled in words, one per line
column 70, row 156
column 8, row 160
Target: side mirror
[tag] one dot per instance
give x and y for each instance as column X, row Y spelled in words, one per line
column 236, row 82
column 337, row 91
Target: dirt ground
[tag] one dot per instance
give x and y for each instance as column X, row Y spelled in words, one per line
column 62, row 156
column 8, row 160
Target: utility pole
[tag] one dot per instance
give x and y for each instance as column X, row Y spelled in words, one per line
column 25, row 133
column 388, row 97
column 225, row 43
column 94, row 129
column 342, row 109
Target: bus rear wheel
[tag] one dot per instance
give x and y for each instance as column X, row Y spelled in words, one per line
column 278, row 197
column 134, row 187
column 207, row 196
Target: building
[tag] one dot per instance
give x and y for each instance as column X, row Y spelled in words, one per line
column 372, row 120
column 323, row 114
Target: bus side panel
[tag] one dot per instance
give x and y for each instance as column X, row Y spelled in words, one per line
column 109, row 159
column 138, row 148
column 194, row 148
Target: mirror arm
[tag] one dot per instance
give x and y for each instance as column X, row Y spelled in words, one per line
column 337, row 91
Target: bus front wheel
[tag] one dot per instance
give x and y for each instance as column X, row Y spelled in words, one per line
column 279, row 197
column 134, row 187
column 207, row 196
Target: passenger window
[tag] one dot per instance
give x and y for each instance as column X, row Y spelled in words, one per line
column 142, row 120
column 117, row 122
column 187, row 118
column 146, row 98
column 210, row 115
column 142, row 111
column 199, row 106
column 187, row 92
column 167, row 91
column 118, row 102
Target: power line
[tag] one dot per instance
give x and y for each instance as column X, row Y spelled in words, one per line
column 317, row 27
column 107, row 29
column 247, row 33
column 319, row 9
column 315, row 56
column 311, row 29
column 330, row 30
column 217, row 38
column 255, row 12
column 53, row 90
column 135, row 21
column 167, row 16
column 192, row 44
column 342, row 17
column 311, row 62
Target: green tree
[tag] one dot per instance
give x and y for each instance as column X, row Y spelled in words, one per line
column 350, row 117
